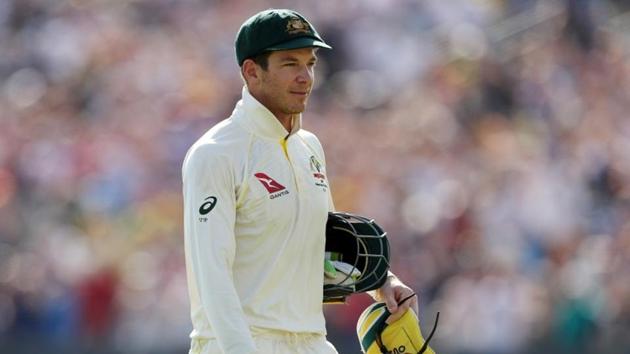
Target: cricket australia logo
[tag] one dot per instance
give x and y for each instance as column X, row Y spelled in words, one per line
column 316, row 168
column 297, row 25
column 274, row 188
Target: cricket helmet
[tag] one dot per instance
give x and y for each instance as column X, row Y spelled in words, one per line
column 357, row 256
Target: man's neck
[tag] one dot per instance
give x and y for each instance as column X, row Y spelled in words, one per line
column 286, row 120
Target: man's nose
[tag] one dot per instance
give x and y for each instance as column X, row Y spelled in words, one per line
column 305, row 75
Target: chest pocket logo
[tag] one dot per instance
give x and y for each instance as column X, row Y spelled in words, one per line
column 274, row 188
column 320, row 178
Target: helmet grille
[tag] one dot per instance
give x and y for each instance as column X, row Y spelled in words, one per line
column 362, row 243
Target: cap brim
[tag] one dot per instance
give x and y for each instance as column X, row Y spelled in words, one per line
column 297, row 43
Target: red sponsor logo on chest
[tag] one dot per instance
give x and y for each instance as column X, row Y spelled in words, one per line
column 269, row 183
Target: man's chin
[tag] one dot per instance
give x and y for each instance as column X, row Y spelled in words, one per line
column 296, row 110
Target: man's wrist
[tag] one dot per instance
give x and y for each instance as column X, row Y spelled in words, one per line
column 389, row 278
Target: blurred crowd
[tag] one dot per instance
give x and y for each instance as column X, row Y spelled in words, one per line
column 489, row 138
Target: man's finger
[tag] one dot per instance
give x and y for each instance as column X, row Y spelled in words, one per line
column 398, row 313
column 414, row 304
column 390, row 301
column 410, row 301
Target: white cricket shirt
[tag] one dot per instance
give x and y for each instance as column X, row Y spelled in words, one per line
column 256, row 199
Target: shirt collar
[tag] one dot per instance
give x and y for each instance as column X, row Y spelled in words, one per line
column 256, row 117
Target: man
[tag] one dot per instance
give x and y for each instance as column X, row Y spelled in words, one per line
column 255, row 212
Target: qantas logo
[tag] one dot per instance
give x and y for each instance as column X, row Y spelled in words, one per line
column 274, row 188
column 269, row 183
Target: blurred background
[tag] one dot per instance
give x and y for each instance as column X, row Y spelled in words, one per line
column 491, row 139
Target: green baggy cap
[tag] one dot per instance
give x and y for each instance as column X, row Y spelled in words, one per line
column 275, row 29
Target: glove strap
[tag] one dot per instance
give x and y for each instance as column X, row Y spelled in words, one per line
column 427, row 339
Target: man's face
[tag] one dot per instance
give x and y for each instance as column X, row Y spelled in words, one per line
column 285, row 86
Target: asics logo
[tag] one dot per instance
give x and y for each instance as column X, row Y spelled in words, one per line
column 208, row 205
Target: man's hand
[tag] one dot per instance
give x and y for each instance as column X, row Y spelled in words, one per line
column 391, row 293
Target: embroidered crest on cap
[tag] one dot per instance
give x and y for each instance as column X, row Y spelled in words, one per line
column 297, row 25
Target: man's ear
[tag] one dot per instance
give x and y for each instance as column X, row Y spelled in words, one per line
column 249, row 70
